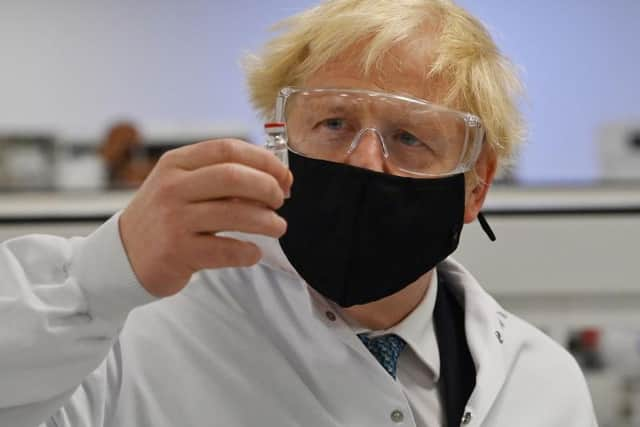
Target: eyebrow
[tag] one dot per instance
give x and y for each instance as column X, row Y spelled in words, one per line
column 334, row 104
column 333, row 108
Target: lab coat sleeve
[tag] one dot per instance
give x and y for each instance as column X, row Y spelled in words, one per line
column 62, row 304
column 581, row 411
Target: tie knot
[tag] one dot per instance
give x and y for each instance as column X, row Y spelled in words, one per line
column 385, row 348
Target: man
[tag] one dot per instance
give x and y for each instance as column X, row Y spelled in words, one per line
column 398, row 114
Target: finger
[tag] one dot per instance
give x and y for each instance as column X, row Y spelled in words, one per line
column 208, row 251
column 288, row 184
column 231, row 180
column 211, row 152
column 234, row 215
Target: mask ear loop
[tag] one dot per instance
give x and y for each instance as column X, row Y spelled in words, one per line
column 485, row 226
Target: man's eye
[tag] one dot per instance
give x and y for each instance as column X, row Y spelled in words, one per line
column 408, row 139
column 334, row 124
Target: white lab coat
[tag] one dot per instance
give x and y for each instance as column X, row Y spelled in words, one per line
column 82, row 344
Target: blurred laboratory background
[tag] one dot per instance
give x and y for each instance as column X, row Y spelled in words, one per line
column 92, row 93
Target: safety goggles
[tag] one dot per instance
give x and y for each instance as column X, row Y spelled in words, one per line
column 417, row 137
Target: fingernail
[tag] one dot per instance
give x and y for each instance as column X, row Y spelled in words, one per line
column 287, row 190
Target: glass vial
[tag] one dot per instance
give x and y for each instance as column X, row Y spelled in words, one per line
column 277, row 141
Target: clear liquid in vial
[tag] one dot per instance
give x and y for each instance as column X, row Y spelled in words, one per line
column 277, row 141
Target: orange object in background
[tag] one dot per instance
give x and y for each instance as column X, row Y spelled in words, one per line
column 125, row 156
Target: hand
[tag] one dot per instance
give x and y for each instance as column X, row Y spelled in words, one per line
column 168, row 229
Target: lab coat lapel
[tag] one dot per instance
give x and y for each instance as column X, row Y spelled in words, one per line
column 457, row 370
column 492, row 347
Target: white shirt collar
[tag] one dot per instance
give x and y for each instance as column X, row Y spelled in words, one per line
column 417, row 329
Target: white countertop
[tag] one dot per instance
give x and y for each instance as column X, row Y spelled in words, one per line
column 550, row 198
column 80, row 204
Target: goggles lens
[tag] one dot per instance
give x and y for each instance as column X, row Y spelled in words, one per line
column 417, row 137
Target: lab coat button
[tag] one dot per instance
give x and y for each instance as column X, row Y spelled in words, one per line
column 330, row 316
column 466, row 418
column 397, row 416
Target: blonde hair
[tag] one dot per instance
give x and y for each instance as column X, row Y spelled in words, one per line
column 480, row 79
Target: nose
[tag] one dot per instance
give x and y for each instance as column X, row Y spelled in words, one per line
column 367, row 151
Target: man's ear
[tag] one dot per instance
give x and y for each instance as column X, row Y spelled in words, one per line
column 485, row 172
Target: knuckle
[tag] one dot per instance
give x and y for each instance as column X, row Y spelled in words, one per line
column 231, row 175
column 168, row 187
column 225, row 149
column 168, row 157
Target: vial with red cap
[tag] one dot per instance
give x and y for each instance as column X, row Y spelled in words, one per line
column 277, row 141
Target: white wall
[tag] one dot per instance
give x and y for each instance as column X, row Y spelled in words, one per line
column 75, row 65
column 581, row 62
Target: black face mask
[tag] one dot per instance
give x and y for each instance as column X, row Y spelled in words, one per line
column 357, row 235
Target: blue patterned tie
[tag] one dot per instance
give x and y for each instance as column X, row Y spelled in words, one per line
column 385, row 348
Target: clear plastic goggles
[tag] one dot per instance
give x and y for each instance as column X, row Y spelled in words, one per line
column 417, row 137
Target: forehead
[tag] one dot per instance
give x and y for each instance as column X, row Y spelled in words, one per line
column 402, row 69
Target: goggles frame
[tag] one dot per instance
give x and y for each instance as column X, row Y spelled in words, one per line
column 470, row 120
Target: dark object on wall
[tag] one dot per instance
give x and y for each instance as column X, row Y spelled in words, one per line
column 125, row 157
column 634, row 141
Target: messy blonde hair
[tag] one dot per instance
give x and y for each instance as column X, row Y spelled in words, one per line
column 480, row 80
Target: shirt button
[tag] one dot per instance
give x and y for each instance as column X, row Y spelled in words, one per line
column 331, row 316
column 466, row 418
column 397, row 416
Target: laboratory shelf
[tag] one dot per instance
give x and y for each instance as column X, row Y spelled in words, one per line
column 502, row 201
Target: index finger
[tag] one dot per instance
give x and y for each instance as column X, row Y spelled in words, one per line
column 207, row 153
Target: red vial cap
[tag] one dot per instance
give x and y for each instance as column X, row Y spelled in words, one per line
column 274, row 128
column 271, row 125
